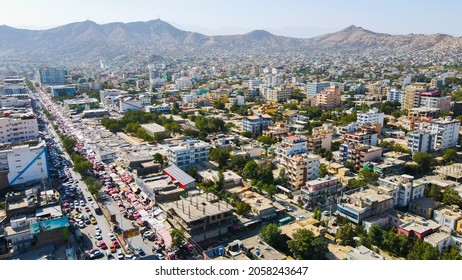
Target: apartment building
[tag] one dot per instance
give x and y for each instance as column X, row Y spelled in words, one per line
column 188, row 153
column 312, row 89
column 275, row 94
column 18, row 127
column 361, row 204
column 434, row 99
column 300, row 168
column 448, row 216
column 370, row 117
column 320, row 138
column 403, row 188
column 411, row 98
column 51, row 76
column 446, row 131
column 395, row 95
column 318, row 190
column 364, row 134
column 291, row 145
column 23, row 164
column 203, row 217
column 329, row 98
column 256, row 124
column 420, row 141
column 359, row 154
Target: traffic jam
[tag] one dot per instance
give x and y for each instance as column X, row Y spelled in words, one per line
column 119, row 188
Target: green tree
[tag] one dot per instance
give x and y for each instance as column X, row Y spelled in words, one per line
column 368, row 176
column 237, row 163
column 376, row 235
column 220, row 156
column 425, row 161
column 265, row 173
column 272, row 235
column 69, row 144
column 451, row 197
column 247, row 134
column 434, row 192
column 305, row 246
column 317, row 214
column 282, row 178
column 243, row 208
column 217, row 104
column 192, row 171
column 177, row 237
column 349, row 165
column 267, row 140
column 250, row 170
column 450, row 156
column 451, row 254
column 423, row 251
column 158, row 158
column 346, row 233
column 323, row 170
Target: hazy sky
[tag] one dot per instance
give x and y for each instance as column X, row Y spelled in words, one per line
column 297, row 18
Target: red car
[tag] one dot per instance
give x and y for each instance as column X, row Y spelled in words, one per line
column 103, row 245
column 116, row 244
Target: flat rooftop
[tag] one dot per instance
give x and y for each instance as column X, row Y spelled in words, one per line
column 363, row 253
column 198, row 207
column 267, row 252
column 437, row 237
column 453, row 171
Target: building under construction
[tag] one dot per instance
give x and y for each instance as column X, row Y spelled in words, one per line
column 203, row 217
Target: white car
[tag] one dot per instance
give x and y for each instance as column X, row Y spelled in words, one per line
column 81, row 224
column 98, row 236
column 326, row 213
column 97, row 230
column 111, row 236
column 82, row 203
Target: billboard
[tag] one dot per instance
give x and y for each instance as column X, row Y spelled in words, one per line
column 48, row 225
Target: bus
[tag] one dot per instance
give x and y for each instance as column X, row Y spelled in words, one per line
column 284, row 221
column 78, row 235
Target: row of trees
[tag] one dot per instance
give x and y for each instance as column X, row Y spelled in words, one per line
column 397, row 244
column 303, row 245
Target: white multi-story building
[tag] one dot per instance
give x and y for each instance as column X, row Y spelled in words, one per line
column 188, row 153
column 291, row 145
column 18, row 128
column 182, row 83
column 440, row 102
column 420, row 141
column 254, row 84
column 372, row 116
column 314, row 88
column 395, row 95
column 403, row 188
column 275, row 94
column 23, row 164
column 129, row 104
column 446, row 131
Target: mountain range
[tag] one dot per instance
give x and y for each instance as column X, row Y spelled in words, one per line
column 88, row 40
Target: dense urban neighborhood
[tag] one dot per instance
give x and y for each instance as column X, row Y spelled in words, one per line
column 233, row 156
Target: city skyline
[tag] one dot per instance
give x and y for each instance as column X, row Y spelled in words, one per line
column 292, row 19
